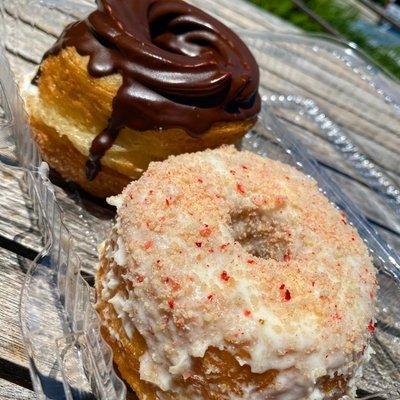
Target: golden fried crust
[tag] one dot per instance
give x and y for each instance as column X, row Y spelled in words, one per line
column 66, row 86
column 61, row 155
column 73, row 107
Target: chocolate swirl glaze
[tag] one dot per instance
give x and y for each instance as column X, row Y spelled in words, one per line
column 181, row 68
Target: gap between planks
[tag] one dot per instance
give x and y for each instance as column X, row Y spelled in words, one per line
column 15, row 378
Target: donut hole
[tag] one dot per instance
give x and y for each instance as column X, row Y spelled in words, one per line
column 261, row 235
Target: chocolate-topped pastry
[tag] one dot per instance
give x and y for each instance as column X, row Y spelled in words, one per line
column 137, row 81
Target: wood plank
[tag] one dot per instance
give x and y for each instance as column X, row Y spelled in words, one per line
column 379, row 127
column 35, row 47
column 11, row 391
column 325, row 152
column 366, row 13
column 12, row 274
column 372, row 206
column 392, row 240
column 15, row 374
column 87, row 221
column 384, row 154
column 381, row 155
column 394, row 177
column 17, row 219
column 12, row 277
column 14, row 361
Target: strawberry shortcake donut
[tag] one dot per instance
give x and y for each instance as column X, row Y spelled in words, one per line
column 231, row 276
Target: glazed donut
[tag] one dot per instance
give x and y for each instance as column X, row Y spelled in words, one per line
column 135, row 82
column 231, row 276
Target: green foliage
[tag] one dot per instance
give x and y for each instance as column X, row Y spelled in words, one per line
column 340, row 16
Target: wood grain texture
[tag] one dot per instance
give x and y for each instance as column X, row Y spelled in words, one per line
column 379, row 129
column 324, row 151
column 11, row 391
column 370, row 203
column 87, row 221
column 12, row 273
column 17, row 220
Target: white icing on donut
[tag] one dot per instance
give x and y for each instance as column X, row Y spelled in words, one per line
column 226, row 249
column 120, row 254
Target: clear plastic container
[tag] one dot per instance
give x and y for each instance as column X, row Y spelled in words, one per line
column 68, row 357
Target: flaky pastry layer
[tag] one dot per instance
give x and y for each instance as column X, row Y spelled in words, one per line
column 71, row 104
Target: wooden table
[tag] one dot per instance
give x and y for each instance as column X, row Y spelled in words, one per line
column 20, row 239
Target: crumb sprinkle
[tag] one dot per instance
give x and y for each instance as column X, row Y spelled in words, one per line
column 224, row 276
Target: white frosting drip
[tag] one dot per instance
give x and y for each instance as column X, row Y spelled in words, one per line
column 120, row 254
column 115, row 201
column 121, row 306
